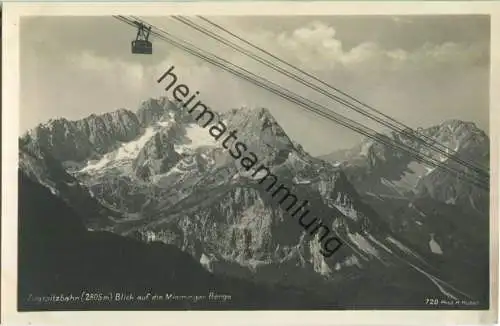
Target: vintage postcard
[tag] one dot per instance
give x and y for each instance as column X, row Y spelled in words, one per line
column 257, row 163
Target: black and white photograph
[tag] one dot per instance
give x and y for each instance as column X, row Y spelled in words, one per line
column 254, row 162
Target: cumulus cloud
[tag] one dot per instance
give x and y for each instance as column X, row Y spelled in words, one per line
column 316, row 47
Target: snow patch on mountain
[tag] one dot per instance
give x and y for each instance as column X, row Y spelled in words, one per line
column 365, row 148
column 434, row 246
column 429, row 170
column 363, row 244
column 380, row 244
column 406, row 249
column 206, row 262
column 164, row 123
column 126, row 152
column 401, row 246
column 197, row 137
column 352, row 261
column 299, row 181
column 130, row 150
column 96, row 165
column 318, row 261
column 440, row 284
column 374, row 195
column 451, row 201
column 410, row 178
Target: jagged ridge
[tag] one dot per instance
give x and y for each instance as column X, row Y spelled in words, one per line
column 173, row 183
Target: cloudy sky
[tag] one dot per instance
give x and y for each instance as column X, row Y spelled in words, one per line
column 420, row 70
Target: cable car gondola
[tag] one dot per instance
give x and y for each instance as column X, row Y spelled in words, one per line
column 141, row 44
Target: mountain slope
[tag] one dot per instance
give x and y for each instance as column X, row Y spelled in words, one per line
column 47, row 171
column 446, row 218
column 383, row 170
column 58, row 256
column 173, row 183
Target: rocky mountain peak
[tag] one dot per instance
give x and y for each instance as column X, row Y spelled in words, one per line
column 456, row 124
column 257, row 125
column 454, row 134
column 82, row 139
column 154, row 109
column 59, row 121
column 253, row 114
column 457, row 133
column 378, row 168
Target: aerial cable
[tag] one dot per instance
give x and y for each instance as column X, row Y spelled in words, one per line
column 403, row 129
column 311, row 106
column 407, row 130
column 377, row 137
column 239, row 49
column 197, row 52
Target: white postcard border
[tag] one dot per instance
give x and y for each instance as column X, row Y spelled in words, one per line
column 10, row 131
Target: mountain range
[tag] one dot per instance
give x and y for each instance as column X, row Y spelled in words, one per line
column 155, row 176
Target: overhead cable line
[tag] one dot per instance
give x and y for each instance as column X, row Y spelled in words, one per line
column 393, row 124
column 325, row 113
column 406, row 132
column 301, row 101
